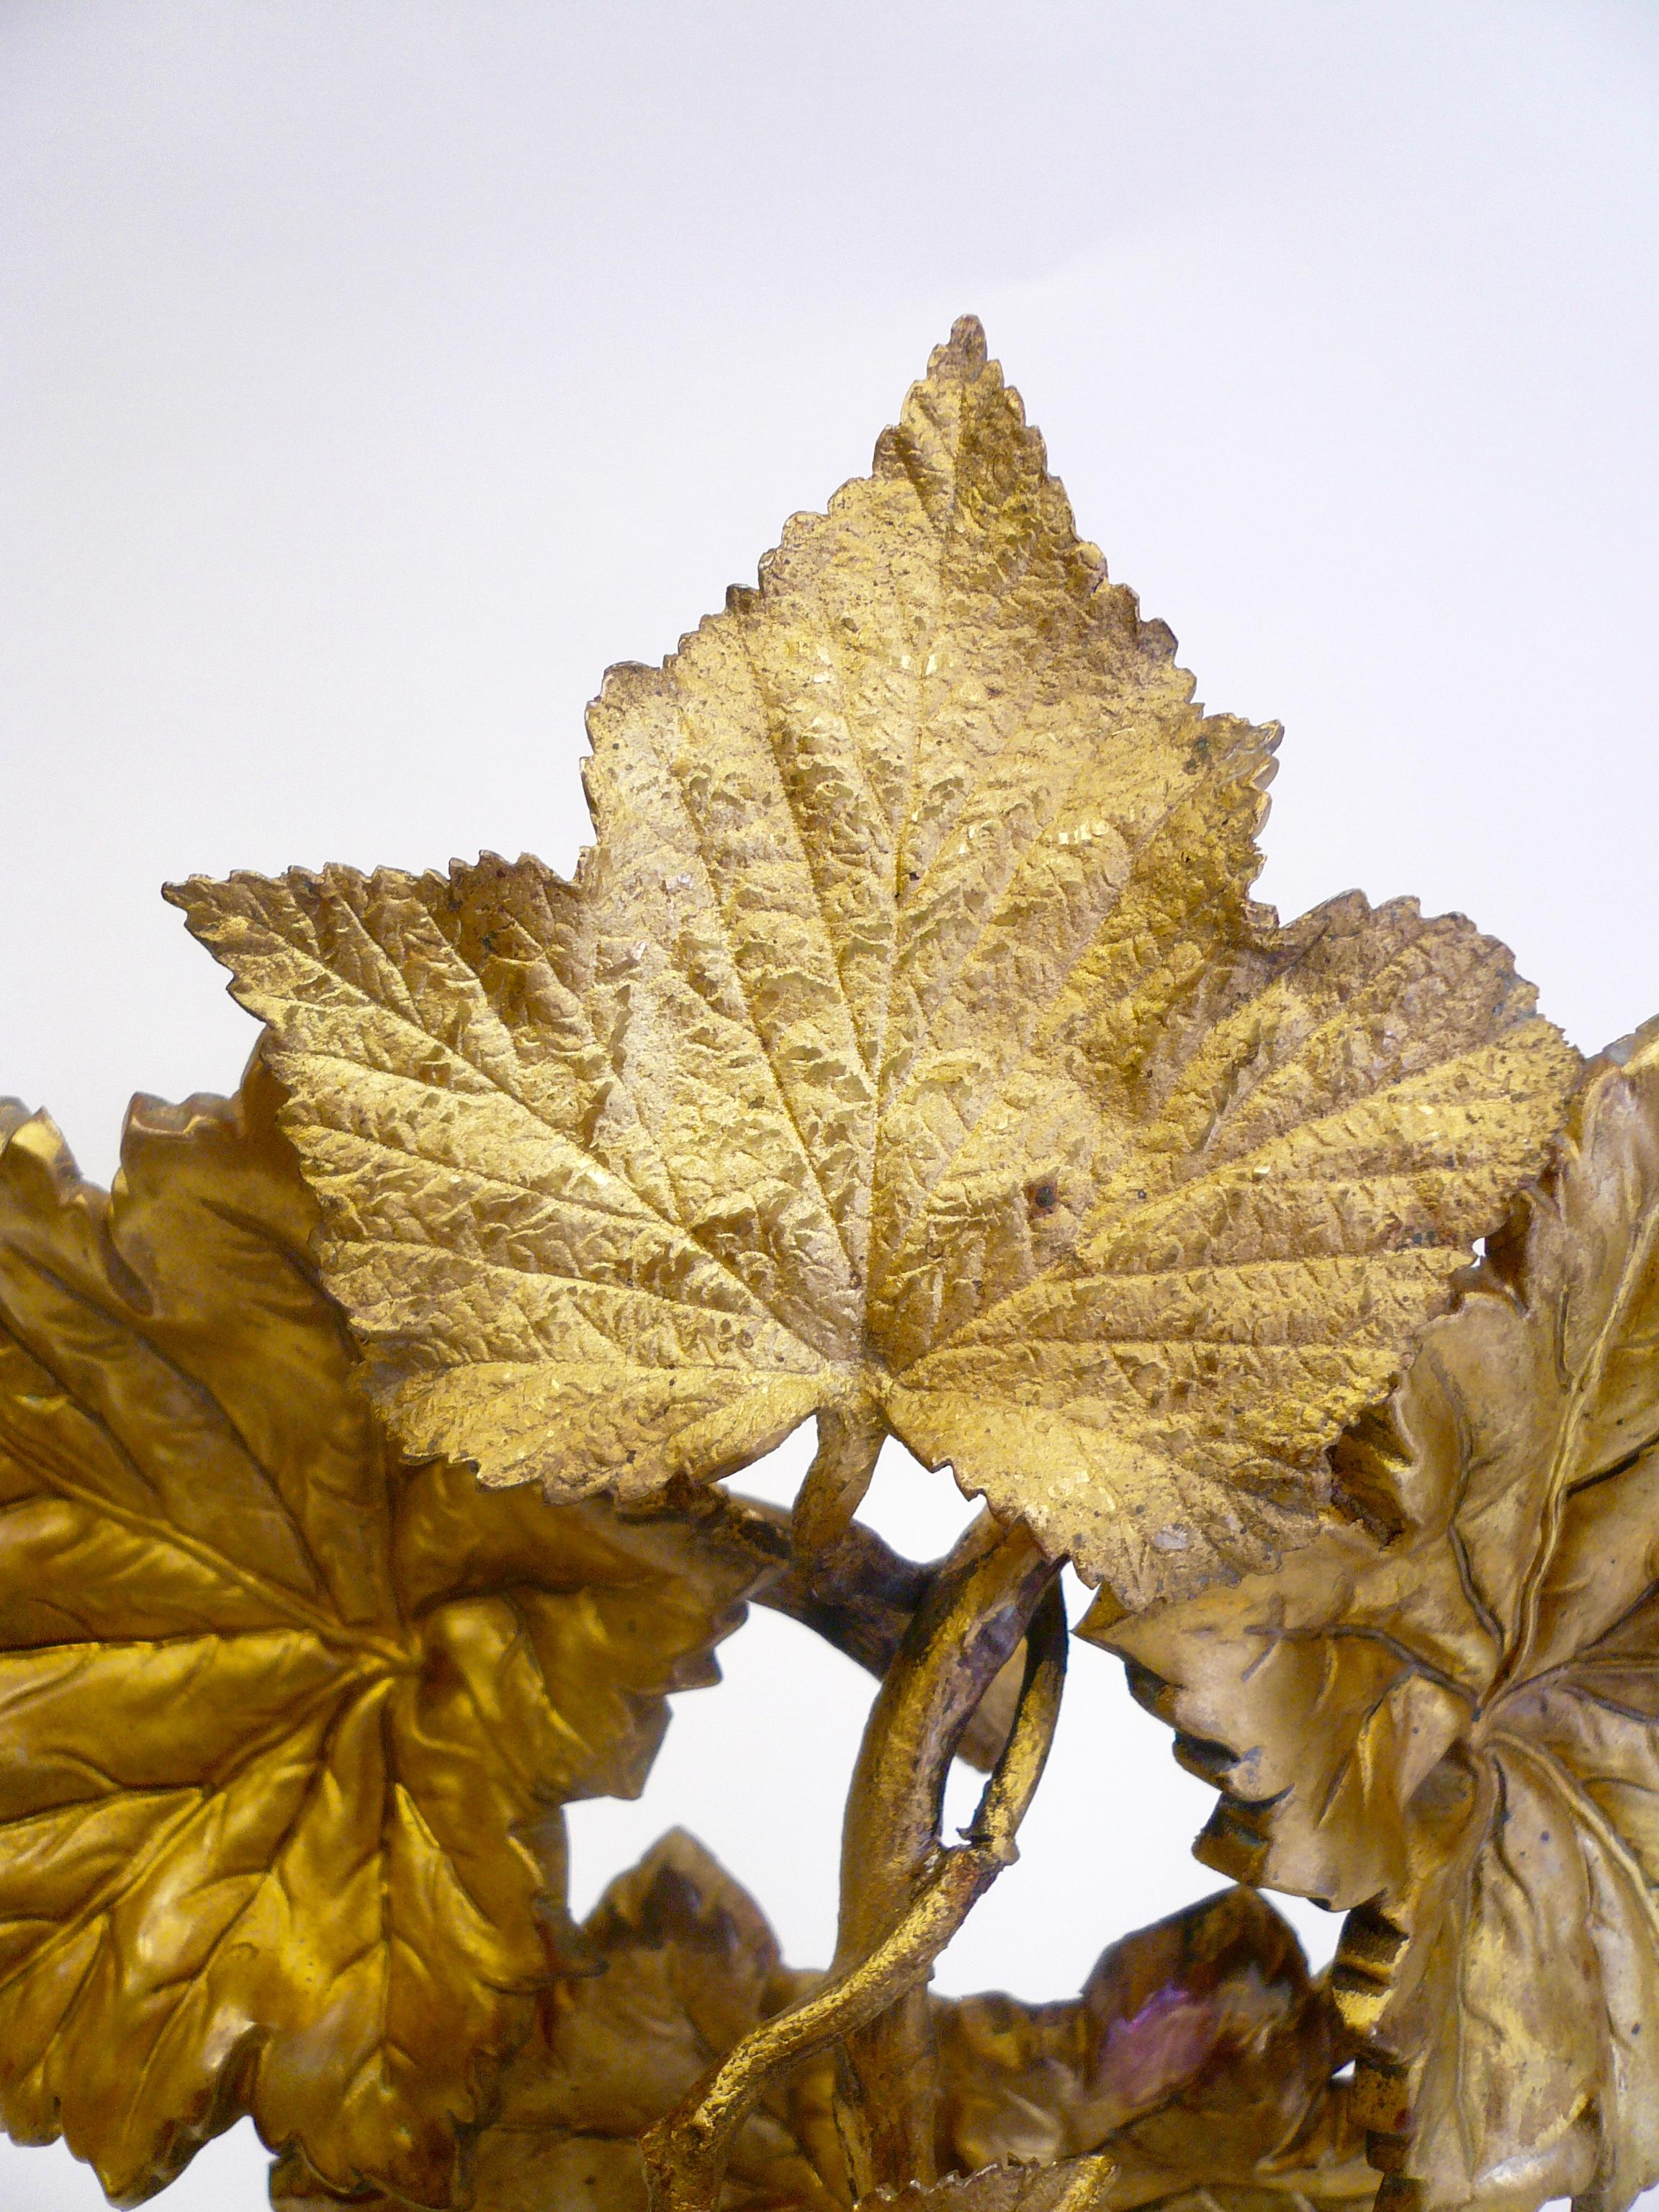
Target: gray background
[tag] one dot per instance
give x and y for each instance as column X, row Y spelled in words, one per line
column 375, row 374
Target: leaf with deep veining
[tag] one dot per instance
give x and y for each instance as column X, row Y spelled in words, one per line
column 691, row 1966
column 284, row 1728
column 909, row 1052
column 1451, row 1723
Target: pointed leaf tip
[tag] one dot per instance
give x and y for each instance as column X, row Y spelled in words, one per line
column 963, row 352
column 910, row 1039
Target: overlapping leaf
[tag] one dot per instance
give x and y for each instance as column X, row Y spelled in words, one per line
column 908, row 1052
column 691, row 1966
column 283, row 1732
column 1198, row 2058
column 1457, row 1730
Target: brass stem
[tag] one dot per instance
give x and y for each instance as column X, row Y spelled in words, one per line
column 861, row 1596
column 1005, row 1575
column 970, row 1621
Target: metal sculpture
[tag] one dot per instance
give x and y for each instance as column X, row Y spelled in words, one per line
column 906, row 1055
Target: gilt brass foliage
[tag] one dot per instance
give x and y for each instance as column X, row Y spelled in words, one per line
column 1199, row 2051
column 907, row 1051
column 690, row 1966
column 1199, row 2056
column 1455, row 1728
column 286, row 1731
column 906, row 1055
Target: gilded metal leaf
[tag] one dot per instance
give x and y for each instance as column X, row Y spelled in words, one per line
column 1197, row 2047
column 1199, row 2055
column 286, row 1729
column 690, row 1966
column 1198, row 2058
column 908, row 1052
column 1456, row 1730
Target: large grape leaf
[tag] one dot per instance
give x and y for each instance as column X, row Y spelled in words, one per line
column 1455, row 1728
column 284, row 1730
column 1198, row 2059
column 909, row 1052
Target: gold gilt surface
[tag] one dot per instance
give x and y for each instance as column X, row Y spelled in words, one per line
column 1198, row 2057
column 908, row 1049
column 285, row 1729
column 907, row 1053
column 1454, row 1729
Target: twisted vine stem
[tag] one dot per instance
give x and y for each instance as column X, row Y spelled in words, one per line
column 904, row 1894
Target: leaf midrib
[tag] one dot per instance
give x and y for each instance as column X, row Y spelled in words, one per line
column 291, row 1609
column 1558, row 1490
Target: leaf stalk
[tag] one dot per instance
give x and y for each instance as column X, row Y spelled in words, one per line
column 910, row 1894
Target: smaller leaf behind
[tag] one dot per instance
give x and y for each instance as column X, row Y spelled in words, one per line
column 689, row 1968
column 1198, row 2057
column 284, row 1730
column 1455, row 1728
column 1199, row 2052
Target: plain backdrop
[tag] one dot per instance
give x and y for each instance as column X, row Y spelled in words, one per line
column 375, row 375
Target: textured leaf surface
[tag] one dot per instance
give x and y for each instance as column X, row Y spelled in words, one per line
column 1457, row 1730
column 1198, row 2057
column 283, row 1732
column 909, row 1050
